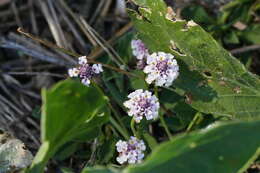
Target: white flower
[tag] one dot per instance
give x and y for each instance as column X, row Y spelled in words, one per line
column 142, row 103
column 161, row 68
column 131, row 151
column 73, row 72
column 97, row 68
column 85, row 71
column 82, row 60
column 139, row 49
column 122, row 158
column 85, row 81
column 121, row 146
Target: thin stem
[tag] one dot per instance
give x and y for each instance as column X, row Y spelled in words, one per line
column 196, row 117
column 161, row 116
column 119, row 120
column 165, row 127
column 51, row 45
column 133, row 127
column 119, row 128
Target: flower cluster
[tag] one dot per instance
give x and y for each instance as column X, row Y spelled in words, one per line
column 131, row 151
column 139, row 49
column 85, row 71
column 142, row 103
column 140, row 52
column 161, row 68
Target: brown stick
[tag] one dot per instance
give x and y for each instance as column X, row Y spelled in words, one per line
column 51, row 45
column 245, row 49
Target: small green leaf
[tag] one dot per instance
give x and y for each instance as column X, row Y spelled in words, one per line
column 252, row 34
column 231, row 38
column 138, row 83
column 196, row 13
column 219, row 148
column 70, row 111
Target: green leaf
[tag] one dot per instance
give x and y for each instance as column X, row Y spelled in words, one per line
column 67, row 150
column 107, row 150
column 222, row 147
column 66, row 170
column 216, row 81
column 70, row 110
column 231, row 38
column 138, row 83
column 252, row 34
column 99, row 170
column 197, row 13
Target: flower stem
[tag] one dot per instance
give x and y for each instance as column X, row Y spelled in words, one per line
column 121, row 124
column 161, row 116
column 133, row 127
column 54, row 46
column 119, row 128
column 165, row 127
column 193, row 122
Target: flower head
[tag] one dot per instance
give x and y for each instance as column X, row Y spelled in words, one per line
column 130, row 151
column 85, row 71
column 161, row 68
column 142, row 103
column 139, row 49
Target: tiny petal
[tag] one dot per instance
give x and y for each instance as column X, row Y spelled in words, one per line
column 97, row 68
column 85, row 82
column 122, row 159
column 121, row 146
column 83, row 60
column 73, row 72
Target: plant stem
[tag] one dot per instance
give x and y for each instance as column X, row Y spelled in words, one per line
column 133, row 127
column 162, row 118
column 196, row 117
column 165, row 127
column 119, row 119
column 51, row 45
column 119, row 128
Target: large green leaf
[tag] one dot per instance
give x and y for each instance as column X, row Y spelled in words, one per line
column 70, row 111
column 216, row 81
column 226, row 148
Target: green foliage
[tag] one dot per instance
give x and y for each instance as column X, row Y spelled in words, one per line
column 220, row 148
column 99, row 170
column 70, row 111
column 216, row 81
column 252, row 34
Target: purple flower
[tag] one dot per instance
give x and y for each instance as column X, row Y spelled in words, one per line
column 130, row 151
column 142, row 103
column 140, row 52
column 162, row 69
column 85, row 71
